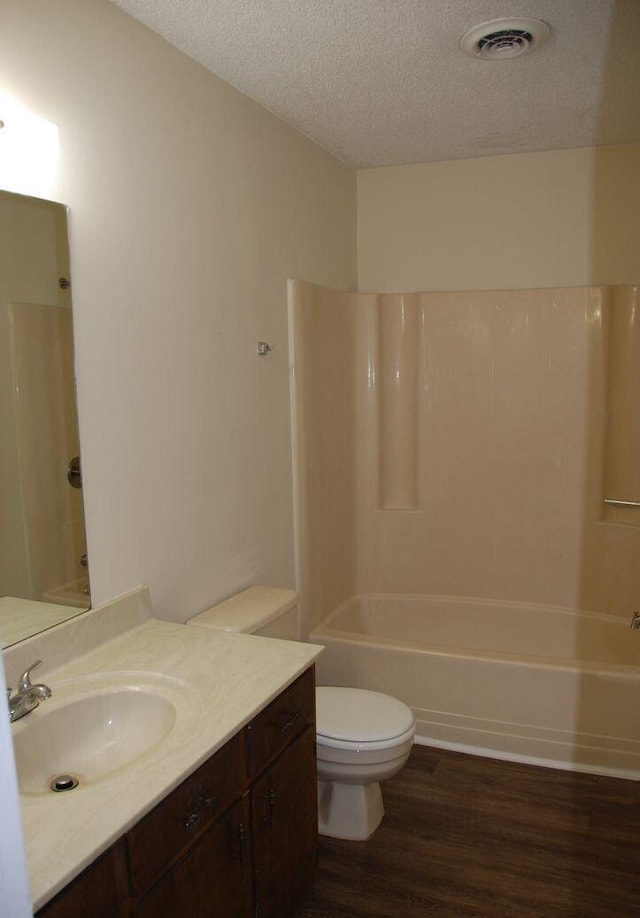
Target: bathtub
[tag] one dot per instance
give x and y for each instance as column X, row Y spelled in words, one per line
column 509, row 680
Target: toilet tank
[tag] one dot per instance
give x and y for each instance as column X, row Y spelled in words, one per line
column 268, row 611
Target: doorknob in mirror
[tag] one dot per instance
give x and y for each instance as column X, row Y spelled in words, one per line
column 74, row 475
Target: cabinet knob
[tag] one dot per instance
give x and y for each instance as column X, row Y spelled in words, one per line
column 292, row 717
column 201, row 804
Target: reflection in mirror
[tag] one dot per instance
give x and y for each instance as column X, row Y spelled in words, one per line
column 43, row 555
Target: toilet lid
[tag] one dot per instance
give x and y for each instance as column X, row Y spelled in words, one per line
column 360, row 716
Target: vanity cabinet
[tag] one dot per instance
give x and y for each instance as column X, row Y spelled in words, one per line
column 98, row 891
column 284, row 805
column 237, row 838
column 284, row 829
column 213, row 879
column 169, row 831
column 196, row 829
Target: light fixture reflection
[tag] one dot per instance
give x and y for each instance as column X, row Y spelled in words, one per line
column 29, row 149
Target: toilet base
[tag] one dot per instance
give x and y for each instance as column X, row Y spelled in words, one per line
column 351, row 811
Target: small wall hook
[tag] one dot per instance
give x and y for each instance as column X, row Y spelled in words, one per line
column 264, row 348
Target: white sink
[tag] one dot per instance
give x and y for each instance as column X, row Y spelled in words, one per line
column 90, row 735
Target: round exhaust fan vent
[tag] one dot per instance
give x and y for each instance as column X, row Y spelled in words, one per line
column 504, row 39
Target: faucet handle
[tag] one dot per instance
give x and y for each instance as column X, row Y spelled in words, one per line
column 24, row 683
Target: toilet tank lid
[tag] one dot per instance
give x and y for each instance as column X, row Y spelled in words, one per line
column 359, row 715
column 249, row 610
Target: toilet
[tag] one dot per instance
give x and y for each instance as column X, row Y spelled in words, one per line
column 362, row 737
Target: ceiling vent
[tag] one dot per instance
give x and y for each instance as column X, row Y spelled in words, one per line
column 504, row 39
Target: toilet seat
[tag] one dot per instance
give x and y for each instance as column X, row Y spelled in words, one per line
column 361, row 720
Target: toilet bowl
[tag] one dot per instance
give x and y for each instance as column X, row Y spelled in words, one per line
column 362, row 737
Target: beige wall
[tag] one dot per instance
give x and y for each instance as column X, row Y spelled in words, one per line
column 190, row 207
column 557, row 219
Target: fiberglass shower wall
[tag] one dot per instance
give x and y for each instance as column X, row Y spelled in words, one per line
column 452, row 444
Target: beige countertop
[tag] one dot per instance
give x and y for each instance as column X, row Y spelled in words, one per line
column 218, row 680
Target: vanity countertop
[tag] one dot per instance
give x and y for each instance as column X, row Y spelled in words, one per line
column 223, row 678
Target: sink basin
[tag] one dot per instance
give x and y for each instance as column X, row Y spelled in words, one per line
column 89, row 737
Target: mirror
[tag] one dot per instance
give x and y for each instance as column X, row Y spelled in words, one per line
column 43, row 555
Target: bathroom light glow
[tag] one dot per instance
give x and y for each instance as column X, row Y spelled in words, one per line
column 29, row 149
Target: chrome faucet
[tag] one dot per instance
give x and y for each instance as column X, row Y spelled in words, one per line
column 28, row 696
column 635, row 621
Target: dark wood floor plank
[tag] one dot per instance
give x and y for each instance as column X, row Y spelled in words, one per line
column 467, row 837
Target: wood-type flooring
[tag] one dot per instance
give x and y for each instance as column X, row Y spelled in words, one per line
column 469, row 837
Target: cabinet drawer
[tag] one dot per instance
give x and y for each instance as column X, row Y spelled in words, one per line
column 164, row 834
column 280, row 722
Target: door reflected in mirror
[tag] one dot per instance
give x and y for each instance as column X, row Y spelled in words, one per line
column 43, row 554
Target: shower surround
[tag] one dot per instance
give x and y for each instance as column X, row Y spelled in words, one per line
column 459, row 445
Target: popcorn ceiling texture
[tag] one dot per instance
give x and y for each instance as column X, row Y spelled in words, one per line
column 383, row 82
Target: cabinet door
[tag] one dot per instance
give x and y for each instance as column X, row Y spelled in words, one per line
column 98, row 891
column 284, row 829
column 165, row 834
column 213, row 880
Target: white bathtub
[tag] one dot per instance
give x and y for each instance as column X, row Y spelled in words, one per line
column 509, row 680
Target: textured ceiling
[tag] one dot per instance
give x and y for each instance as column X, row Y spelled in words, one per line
column 382, row 82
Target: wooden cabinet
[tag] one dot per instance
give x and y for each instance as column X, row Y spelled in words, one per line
column 284, row 829
column 98, row 891
column 237, row 838
column 169, row 830
column 213, row 880
column 280, row 722
column 284, row 809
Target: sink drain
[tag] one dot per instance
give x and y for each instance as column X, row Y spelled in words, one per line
column 63, row 783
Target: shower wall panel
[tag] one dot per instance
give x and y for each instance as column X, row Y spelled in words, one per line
column 458, row 440
column 323, row 366
column 510, row 389
column 622, row 462
column 41, row 339
column 611, row 551
column 397, row 402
